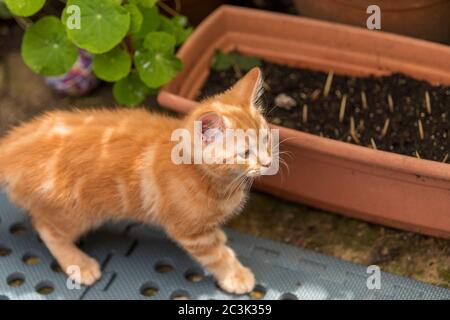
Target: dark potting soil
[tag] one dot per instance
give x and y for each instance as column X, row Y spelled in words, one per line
column 395, row 118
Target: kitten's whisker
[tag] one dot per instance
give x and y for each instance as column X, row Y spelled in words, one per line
column 237, row 187
column 249, row 185
column 289, row 153
column 285, row 164
column 234, row 184
column 268, row 112
column 282, row 141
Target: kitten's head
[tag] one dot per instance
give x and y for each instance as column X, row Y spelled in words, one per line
column 234, row 133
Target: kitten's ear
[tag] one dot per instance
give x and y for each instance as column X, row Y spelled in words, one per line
column 248, row 89
column 210, row 124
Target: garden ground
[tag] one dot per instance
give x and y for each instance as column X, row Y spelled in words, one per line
column 23, row 94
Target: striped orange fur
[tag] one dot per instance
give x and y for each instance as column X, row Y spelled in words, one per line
column 74, row 170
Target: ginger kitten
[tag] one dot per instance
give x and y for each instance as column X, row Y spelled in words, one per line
column 73, row 171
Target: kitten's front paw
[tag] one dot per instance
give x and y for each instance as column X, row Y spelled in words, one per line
column 240, row 280
column 89, row 272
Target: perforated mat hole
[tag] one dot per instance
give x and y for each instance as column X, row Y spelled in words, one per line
column 4, row 251
column 45, row 288
column 163, row 266
column 15, row 280
column 180, row 295
column 288, row 296
column 149, row 289
column 56, row 267
column 4, row 297
column 194, row 275
column 258, row 293
column 31, row 259
column 18, row 229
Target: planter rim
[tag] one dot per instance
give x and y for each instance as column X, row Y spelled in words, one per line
column 343, row 150
column 393, row 6
column 230, row 9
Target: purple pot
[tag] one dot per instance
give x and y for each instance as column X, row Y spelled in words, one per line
column 79, row 80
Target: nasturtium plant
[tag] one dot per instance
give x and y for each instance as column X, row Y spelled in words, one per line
column 133, row 44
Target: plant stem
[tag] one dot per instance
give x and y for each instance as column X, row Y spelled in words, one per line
column 167, row 8
column 178, row 5
column 327, row 87
column 390, row 103
column 305, row 113
column 427, row 102
column 342, row 108
column 23, row 23
column 421, row 133
column 315, row 94
column 374, row 146
column 445, row 158
column 385, row 128
column 364, row 100
column 353, row 130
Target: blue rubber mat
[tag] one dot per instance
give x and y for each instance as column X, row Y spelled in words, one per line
column 140, row 262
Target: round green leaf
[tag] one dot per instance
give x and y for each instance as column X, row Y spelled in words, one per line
column 103, row 24
column 130, row 91
column 151, row 22
column 24, row 8
column 113, row 65
column 156, row 68
column 161, row 42
column 176, row 27
column 136, row 17
column 46, row 48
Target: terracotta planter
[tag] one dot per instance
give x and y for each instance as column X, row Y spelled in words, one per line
column 426, row 19
column 377, row 186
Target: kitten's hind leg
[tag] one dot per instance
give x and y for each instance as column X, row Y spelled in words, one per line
column 70, row 258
